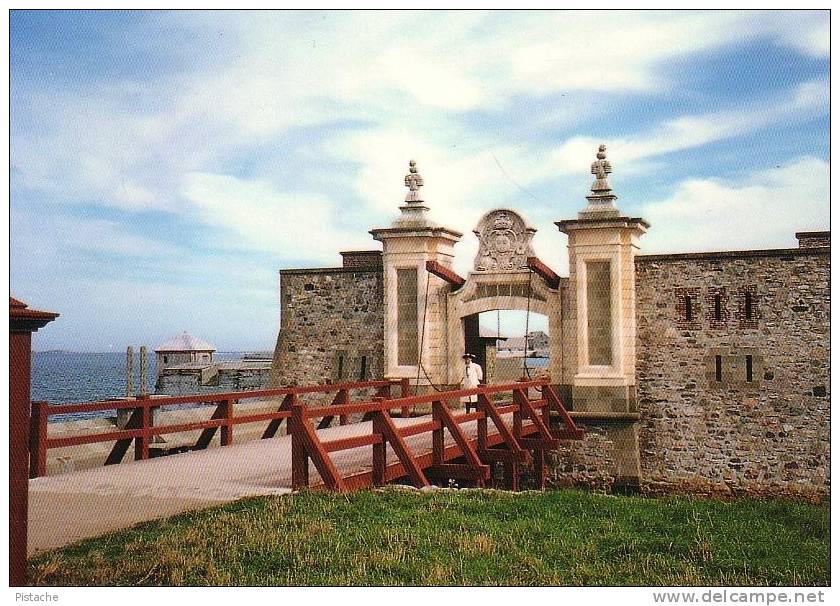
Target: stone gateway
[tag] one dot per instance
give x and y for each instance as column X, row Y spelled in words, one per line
column 693, row 372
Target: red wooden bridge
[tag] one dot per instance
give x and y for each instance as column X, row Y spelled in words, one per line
column 514, row 424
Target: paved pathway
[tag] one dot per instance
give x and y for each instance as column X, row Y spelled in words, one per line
column 68, row 507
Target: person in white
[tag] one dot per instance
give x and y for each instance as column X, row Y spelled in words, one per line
column 473, row 375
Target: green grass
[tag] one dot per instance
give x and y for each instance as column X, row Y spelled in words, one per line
column 467, row 537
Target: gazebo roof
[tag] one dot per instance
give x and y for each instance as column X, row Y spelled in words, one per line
column 185, row 342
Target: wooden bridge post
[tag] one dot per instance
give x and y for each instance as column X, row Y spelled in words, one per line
column 405, row 391
column 437, row 435
column 22, row 323
column 300, row 458
column 343, row 397
column 379, row 454
column 227, row 428
column 141, row 443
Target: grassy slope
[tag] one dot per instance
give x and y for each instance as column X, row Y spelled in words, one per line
column 398, row 537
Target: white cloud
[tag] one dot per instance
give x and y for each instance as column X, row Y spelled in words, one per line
column 685, row 132
column 129, row 144
column 293, row 226
column 763, row 211
column 49, row 238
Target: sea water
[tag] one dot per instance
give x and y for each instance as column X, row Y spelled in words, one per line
column 61, row 377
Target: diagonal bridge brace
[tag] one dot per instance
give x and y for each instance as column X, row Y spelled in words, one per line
column 546, row 441
column 474, row 469
column 383, row 425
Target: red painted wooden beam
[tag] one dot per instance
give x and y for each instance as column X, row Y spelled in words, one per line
column 544, row 272
column 444, row 273
column 23, row 321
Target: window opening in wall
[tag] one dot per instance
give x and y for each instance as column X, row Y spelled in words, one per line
column 749, row 369
column 340, row 367
column 718, row 368
column 687, row 308
column 165, row 359
column 717, row 308
column 748, row 306
column 363, row 369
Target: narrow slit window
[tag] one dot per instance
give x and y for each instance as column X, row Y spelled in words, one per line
column 363, row 369
column 717, row 308
column 687, row 308
column 748, row 306
column 340, row 367
column 718, row 369
column 749, row 369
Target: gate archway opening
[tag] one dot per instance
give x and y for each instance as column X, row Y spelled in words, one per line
column 508, row 344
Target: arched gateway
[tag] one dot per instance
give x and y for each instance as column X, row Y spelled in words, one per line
column 405, row 314
column 501, row 280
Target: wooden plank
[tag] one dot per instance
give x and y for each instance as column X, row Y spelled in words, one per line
column 304, row 433
column 441, row 412
column 207, row 435
column 413, row 430
column 341, row 398
column 445, row 274
column 354, row 442
column 395, row 470
column 544, row 272
column 227, row 429
column 383, row 424
column 405, row 391
column 141, row 442
column 505, row 432
column 520, row 397
column 121, row 446
column 556, row 404
column 272, row 428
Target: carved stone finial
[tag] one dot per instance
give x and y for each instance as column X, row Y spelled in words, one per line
column 413, row 181
column 601, row 168
column 601, row 199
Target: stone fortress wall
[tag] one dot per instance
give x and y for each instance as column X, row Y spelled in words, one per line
column 734, row 396
column 726, row 389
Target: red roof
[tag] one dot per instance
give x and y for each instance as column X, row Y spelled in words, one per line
column 22, row 318
column 19, row 309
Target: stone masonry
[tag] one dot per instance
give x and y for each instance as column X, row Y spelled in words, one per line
column 735, row 402
column 331, row 325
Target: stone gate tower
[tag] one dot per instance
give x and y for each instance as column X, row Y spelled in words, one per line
column 413, row 320
column 602, row 250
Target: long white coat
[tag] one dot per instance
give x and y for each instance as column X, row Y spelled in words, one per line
column 472, row 377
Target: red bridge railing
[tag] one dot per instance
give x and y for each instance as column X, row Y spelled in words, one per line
column 523, row 432
column 139, row 428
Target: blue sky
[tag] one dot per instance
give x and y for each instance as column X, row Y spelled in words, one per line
column 165, row 165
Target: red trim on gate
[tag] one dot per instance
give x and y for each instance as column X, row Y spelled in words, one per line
column 444, row 273
column 544, row 272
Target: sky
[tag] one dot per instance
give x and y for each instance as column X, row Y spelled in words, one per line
column 166, row 165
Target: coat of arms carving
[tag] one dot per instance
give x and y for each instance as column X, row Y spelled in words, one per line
column 504, row 241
